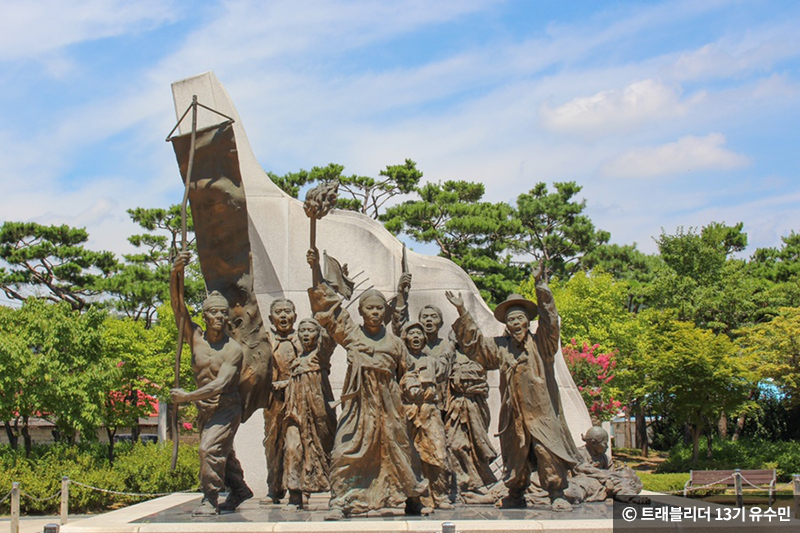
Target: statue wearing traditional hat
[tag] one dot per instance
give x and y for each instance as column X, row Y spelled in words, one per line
column 533, row 431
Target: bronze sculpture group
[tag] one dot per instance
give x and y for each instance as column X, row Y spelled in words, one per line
column 413, row 424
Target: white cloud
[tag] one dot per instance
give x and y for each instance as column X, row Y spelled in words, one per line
column 758, row 49
column 32, row 29
column 616, row 110
column 688, row 154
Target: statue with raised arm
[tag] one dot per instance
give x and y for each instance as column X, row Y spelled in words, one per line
column 310, row 420
column 430, row 319
column 461, row 396
column 217, row 366
column 372, row 464
column 533, row 431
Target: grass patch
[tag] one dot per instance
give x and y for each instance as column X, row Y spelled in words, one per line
column 667, row 483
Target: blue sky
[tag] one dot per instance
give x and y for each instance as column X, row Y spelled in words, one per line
column 667, row 113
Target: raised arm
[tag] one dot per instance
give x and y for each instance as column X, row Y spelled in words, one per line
column 176, row 296
column 312, row 258
column 470, row 338
column 327, row 308
column 400, row 308
column 548, row 332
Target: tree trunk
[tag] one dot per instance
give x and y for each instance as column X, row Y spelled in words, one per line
column 111, row 433
column 695, row 443
column 722, row 425
column 135, row 431
column 629, row 426
column 13, row 440
column 737, row 433
column 641, row 430
column 709, row 442
column 26, row 437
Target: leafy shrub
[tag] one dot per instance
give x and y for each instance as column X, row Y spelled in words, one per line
column 747, row 454
column 138, row 468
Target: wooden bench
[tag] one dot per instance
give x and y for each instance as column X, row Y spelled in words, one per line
column 759, row 478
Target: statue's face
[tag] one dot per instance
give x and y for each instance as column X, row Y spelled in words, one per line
column 308, row 335
column 283, row 317
column 415, row 339
column 430, row 320
column 372, row 310
column 596, row 447
column 517, row 323
column 215, row 317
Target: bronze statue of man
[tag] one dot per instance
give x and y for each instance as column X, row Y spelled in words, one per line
column 533, row 430
column 285, row 348
column 217, row 367
column 596, row 478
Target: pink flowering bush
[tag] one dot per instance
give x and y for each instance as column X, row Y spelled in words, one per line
column 591, row 373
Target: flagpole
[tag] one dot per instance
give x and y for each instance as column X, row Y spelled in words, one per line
column 184, row 245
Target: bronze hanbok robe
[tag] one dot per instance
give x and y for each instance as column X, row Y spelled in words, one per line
column 372, row 463
column 530, row 402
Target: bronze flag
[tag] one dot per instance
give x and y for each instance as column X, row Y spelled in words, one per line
column 219, row 212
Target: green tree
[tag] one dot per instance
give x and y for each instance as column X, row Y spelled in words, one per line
column 363, row 194
column 555, row 228
column 49, row 355
column 703, row 282
column 136, row 370
column 592, row 307
column 368, row 195
column 141, row 283
column 695, row 374
column 291, row 182
column 781, row 268
column 626, row 263
column 472, row 233
column 51, row 262
column 775, row 349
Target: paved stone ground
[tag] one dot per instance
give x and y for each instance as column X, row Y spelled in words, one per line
column 253, row 511
column 33, row 524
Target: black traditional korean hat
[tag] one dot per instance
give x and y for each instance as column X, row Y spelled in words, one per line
column 515, row 300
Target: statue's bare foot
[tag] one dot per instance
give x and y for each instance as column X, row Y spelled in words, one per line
column 560, row 505
column 336, row 513
column 445, row 505
column 206, row 508
column 476, row 498
column 292, row 507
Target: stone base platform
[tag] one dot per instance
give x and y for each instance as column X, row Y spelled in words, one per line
column 172, row 514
